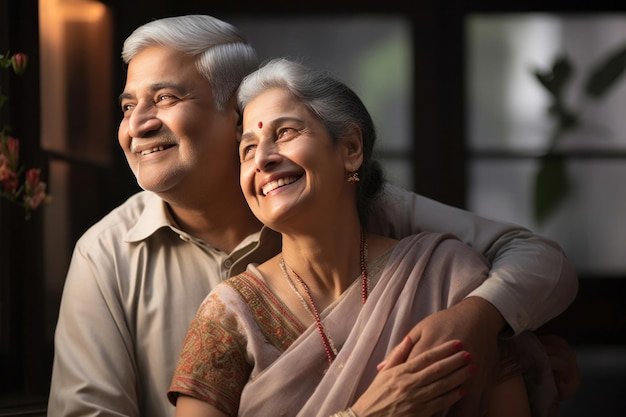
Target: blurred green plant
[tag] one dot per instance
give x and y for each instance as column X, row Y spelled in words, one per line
column 551, row 182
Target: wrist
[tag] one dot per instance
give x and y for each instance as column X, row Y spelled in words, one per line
column 490, row 317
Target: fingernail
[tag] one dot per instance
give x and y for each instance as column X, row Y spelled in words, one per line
column 472, row 369
column 458, row 345
column 467, row 357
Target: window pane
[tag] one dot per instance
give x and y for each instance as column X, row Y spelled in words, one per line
column 589, row 224
column 506, row 105
column 509, row 127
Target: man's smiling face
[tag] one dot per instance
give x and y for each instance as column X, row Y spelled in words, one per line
column 172, row 135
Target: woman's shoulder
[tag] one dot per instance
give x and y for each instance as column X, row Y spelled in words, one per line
column 436, row 238
column 228, row 294
column 378, row 245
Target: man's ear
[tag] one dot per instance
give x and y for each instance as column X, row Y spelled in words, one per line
column 352, row 145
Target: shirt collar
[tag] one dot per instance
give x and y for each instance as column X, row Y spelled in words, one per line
column 257, row 248
column 154, row 216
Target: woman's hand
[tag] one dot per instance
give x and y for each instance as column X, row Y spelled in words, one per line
column 424, row 385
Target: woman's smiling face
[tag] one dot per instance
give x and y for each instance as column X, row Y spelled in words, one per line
column 289, row 164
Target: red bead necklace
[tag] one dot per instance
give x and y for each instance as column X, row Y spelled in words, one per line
column 309, row 304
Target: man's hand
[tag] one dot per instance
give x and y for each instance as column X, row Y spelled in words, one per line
column 564, row 365
column 477, row 324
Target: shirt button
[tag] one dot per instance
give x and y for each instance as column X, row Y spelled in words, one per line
column 228, row 263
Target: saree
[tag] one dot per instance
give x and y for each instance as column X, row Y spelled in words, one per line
column 424, row 274
column 247, row 355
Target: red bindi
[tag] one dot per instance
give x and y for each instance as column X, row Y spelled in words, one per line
column 260, row 125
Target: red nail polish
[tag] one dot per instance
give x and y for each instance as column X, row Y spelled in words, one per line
column 472, row 369
column 467, row 357
column 458, row 345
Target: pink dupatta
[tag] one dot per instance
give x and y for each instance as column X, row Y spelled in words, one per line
column 424, row 274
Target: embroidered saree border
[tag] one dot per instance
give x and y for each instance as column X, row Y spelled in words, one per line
column 278, row 324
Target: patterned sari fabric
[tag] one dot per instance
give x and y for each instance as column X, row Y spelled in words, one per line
column 248, row 355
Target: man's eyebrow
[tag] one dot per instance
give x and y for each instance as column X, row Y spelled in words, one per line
column 154, row 88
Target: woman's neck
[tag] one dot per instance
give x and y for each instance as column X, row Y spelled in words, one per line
column 328, row 260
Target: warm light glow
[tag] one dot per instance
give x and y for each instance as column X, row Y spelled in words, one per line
column 53, row 86
column 75, row 40
column 83, row 10
column 75, row 48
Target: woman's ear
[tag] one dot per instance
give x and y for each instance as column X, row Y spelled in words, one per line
column 352, row 145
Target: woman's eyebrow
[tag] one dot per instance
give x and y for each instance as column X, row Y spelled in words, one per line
column 248, row 135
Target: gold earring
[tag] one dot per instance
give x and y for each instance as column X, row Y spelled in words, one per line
column 354, row 177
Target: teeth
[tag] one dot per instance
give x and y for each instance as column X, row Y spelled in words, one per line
column 276, row 184
column 155, row 149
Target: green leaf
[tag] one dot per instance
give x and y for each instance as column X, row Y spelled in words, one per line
column 555, row 79
column 604, row 75
column 551, row 186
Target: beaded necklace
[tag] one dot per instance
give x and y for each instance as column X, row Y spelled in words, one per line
column 309, row 304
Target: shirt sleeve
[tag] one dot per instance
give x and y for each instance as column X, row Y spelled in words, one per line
column 531, row 281
column 94, row 370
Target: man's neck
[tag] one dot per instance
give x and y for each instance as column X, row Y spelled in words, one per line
column 223, row 228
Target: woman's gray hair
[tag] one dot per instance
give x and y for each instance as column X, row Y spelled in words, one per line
column 223, row 56
column 333, row 103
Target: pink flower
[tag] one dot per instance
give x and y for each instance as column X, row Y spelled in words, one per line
column 8, row 178
column 19, row 62
column 32, row 178
column 5, row 170
column 38, row 196
column 35, row 189
column 11, row 149
column 13, row 145
column 28, row 192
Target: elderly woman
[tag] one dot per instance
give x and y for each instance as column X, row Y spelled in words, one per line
column 307, row 332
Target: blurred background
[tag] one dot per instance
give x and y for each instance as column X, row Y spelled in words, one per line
column 473, row 101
